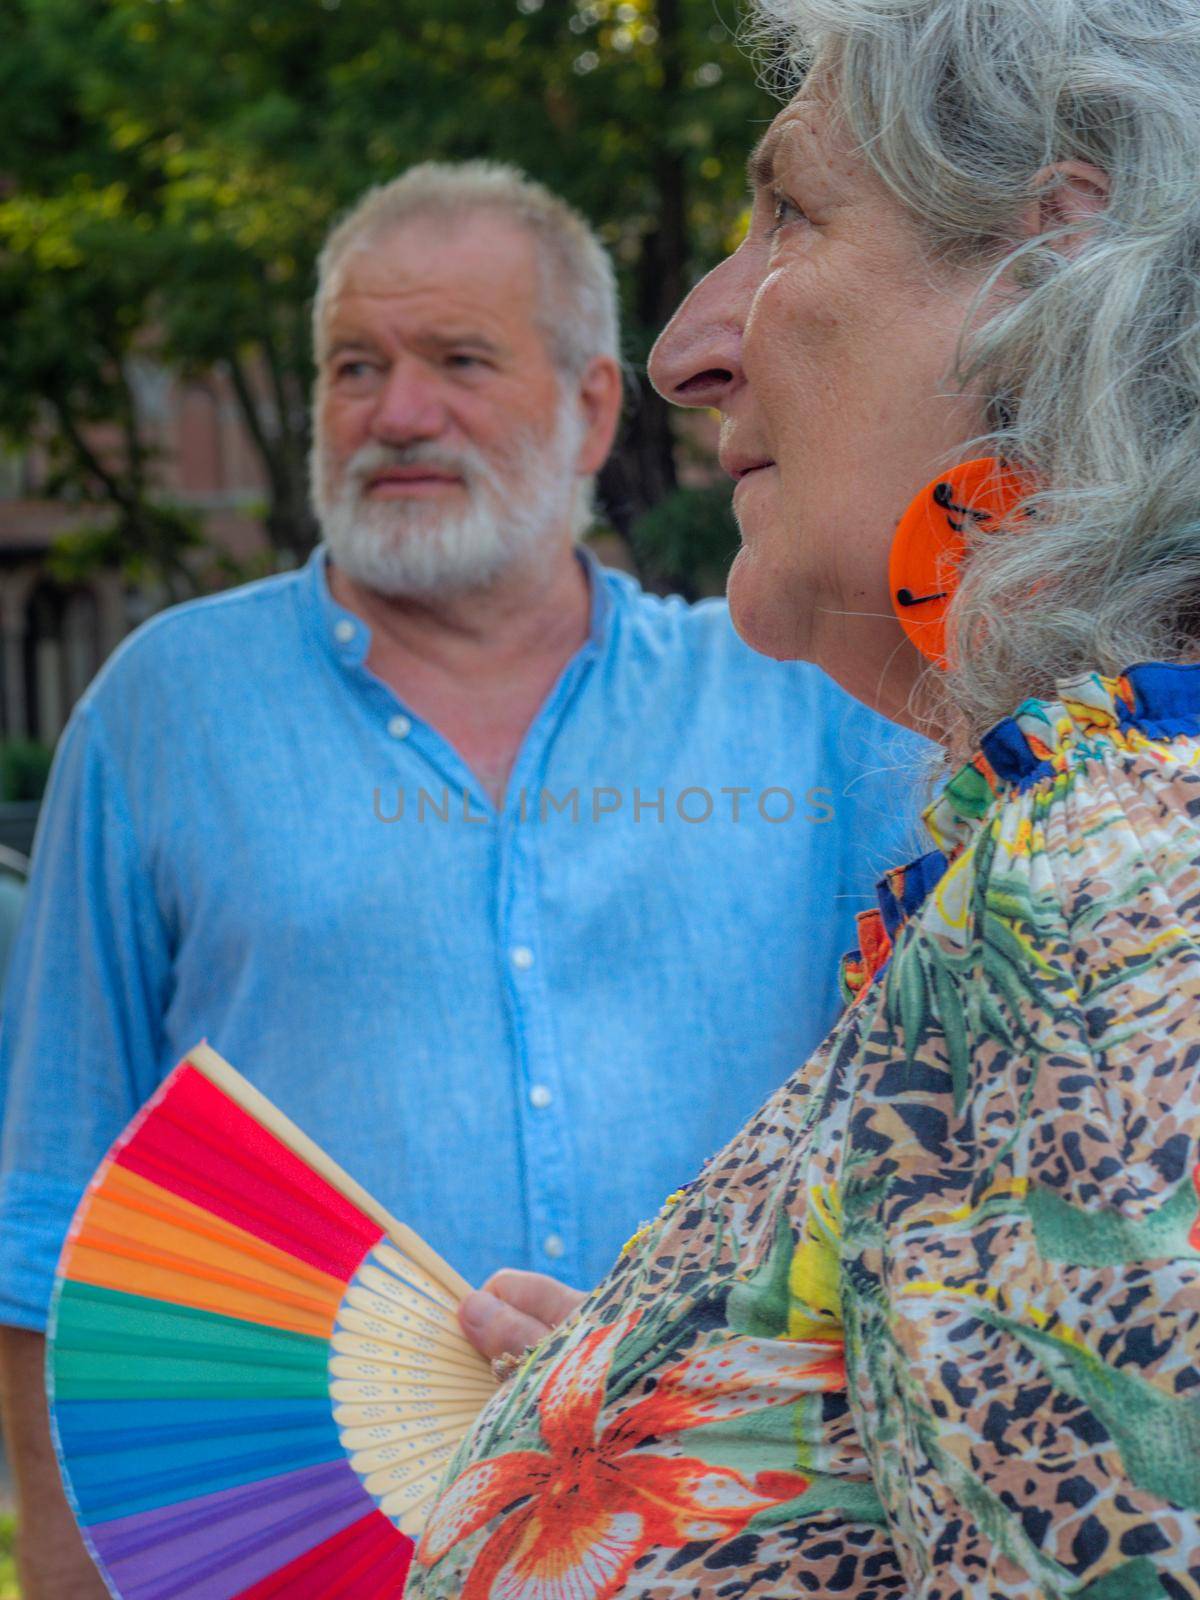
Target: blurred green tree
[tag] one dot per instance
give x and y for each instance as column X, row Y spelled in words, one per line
column 686, row 543
column 169, row 167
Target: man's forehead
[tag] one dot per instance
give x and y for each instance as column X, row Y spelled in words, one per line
column 480, row 268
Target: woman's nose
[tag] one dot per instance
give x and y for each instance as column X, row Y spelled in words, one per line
column 697, row 360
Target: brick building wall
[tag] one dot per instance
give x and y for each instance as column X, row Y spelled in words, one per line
column 54, row 638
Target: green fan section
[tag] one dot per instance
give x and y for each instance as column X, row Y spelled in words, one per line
column 113, row 1346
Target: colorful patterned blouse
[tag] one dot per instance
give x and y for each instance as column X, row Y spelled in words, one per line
column 930, row 1325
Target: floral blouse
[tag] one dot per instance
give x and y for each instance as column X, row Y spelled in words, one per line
column 930, row 1325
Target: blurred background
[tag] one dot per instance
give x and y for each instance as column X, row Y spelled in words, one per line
column 168, row 169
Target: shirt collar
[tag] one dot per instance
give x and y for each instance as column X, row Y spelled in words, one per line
column 348, row 638
column 344, row 633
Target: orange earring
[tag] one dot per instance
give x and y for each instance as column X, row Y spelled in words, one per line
column 931, row 542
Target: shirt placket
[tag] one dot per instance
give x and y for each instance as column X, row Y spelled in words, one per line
column 552, row 1199
column 553, row 1221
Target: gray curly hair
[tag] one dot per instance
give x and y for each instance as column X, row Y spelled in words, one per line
column 1093, row 369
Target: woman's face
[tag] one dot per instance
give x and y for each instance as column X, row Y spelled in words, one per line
column 826, row 342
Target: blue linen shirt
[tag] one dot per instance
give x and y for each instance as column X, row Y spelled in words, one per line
column 519, row 1029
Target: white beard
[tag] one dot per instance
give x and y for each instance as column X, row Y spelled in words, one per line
column 418, row 548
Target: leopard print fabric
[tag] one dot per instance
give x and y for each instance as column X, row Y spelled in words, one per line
column 930, row 1325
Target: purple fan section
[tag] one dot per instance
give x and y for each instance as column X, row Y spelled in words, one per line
column 216, row 1546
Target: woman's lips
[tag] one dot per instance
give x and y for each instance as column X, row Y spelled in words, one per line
column 747, row 474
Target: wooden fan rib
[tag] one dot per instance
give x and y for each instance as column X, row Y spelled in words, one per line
column 377, row 1435
column 399, row 1365
column 364, row 1414
column 378, row 1322
column 418, row 1468
column 447, row 1359
column 386, row 1255
column 400, row 1456
column 413, row 1482
column 361, row 1370
column 361, row 1297
column 359, row 1349
column 368, row 1390
column 408, row 1508
column 372, row 1277
column 354, row 1392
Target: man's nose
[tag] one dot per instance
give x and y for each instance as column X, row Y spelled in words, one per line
column 697, row 360
column 408, row 407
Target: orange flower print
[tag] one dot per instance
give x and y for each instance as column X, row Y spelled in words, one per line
column 1194, row 1236
column 580, row 1513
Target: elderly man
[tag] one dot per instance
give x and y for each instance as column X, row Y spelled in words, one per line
column 448, row 840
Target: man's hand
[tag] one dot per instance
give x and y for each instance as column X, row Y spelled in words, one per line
column 51, row 1559
column 514, row 1310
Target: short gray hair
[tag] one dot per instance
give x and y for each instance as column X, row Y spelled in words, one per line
column 1093, row 372
column 578, row 310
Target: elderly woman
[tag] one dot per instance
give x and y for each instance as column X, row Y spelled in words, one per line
column 930, row 1325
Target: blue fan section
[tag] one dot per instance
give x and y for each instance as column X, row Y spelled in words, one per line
column 178, row 1449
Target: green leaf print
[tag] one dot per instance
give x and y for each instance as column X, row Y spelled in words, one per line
column 1022, row 955
column 759, row 1441
column 857, row 1502
column 1010, row 983
column 1157, row 1435
column 907, row 998
column 970, row 793
column 954, row 1030
column 1108, row 1238
column 1132, row 1580
column 759, row 1305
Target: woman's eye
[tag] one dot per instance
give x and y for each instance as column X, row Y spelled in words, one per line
column 783, row 212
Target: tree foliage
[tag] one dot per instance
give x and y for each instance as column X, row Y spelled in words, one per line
column 168, row 169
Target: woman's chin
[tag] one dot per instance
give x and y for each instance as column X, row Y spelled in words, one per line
column 760, row 611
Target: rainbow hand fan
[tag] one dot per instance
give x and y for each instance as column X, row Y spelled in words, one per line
column 256, row 1375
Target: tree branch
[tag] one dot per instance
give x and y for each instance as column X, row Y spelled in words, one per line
column 88, row 458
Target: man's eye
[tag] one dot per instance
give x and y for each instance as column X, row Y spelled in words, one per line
column 783, row 212
column 463, row 360
column 351, row 369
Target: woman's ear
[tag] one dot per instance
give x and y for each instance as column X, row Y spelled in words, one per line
column 1069, row 198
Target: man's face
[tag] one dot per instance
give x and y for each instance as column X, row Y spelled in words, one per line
column 446, row 444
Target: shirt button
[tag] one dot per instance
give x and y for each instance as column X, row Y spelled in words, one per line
column 554, row 1247
column 522, row 957
column 400, row 727
column 540, row 1096
column 344, row 631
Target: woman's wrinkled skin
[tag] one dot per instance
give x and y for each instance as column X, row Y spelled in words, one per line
column 827, row 342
